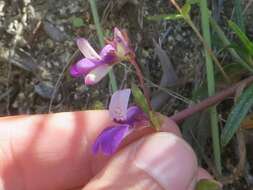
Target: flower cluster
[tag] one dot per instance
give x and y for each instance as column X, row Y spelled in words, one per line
column 95, row 66
column 126, row 120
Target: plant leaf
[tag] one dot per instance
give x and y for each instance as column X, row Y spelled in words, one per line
column 186, row 9
column 207, row 184
column 242, row 36
column 140, row 99
column 155, row 120
column 165, row 17
column 238, row 113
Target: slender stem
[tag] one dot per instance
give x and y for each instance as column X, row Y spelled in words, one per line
column 210, row 101
column 211, row 84
column 100, row 34
column 141, row 80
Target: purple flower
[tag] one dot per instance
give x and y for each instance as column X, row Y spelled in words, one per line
column 95, row 66
column 121, row 44
column 126, row 120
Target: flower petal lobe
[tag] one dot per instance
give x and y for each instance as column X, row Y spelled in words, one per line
column 86, row 49
column 110, row 139
column 97, row 74
column 118, row 104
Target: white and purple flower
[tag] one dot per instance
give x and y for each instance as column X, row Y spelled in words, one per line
column 126, row 120
column 95, row 66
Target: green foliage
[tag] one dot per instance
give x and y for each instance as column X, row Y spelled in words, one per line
column 210, row 82
column 207, row 184
column 248, row 45
column 165, row 17
column 238, row 113
column 77, row 22
column 141, row 101
column 238, row 14
column 186, row 9
column 238, row 53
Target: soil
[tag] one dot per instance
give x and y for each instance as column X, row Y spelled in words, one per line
column 37, row 46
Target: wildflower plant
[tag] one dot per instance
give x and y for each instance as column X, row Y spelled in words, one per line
column 93, row 68
column 126, row 120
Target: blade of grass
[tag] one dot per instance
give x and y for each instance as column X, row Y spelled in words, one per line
column 242, row 36
column 100, row 34
column 238, row 14
column 187, row 18
column 210, row 83
column 226, row 43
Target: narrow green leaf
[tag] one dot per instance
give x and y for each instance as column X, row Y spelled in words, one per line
column 207, row 184
column 140, row 99
column 238, row 113
column 226, row 43
column 155, row 120
column 238, row 14
column 186, row 9
column 242, row 36
column 165, row 17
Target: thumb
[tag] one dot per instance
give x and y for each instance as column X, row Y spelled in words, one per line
column 160, row 161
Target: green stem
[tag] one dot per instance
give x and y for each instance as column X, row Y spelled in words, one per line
column 210, row 83
column 208, row 49
column 141, row 80
column 101, row 40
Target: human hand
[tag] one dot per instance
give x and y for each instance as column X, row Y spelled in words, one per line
column 53, row 152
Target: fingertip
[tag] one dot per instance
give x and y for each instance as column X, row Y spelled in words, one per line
column 168, row 125
column 142, row 165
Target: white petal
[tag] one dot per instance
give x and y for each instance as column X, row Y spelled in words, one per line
column 86, row 49
column 117, row 33
column 118, row 104
column 97, row 74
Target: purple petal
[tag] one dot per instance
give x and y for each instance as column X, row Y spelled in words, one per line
column 82, row 67
column 107, row 49
column 121, row 44
column 132, row 112
column 118, row 105
column 110, row 138
column 108, row 54
column 95, row 75
column 86, row 49
column 74, row 72
column 135, row 116
column 118, row 36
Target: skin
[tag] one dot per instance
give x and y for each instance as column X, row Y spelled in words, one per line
column 53, row 152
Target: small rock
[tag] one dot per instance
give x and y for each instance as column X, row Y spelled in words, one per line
column 179, row 38
column 53, row 32
column 44, row 89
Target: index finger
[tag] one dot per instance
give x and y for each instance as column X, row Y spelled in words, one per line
column 39, row 148
column 50, row 151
